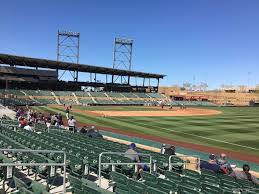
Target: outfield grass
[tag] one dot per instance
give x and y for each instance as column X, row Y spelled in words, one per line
column 236, row 127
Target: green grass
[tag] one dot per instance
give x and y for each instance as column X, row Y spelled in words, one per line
column 238, row 126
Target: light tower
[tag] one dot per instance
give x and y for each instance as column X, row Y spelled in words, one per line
column 68, row 50
column 122, row 56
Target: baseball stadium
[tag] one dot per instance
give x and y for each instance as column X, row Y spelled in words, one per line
column 120, row 131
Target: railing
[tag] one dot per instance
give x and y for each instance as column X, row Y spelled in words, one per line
column 184, row 161
column 122, row 163
column 38, row 164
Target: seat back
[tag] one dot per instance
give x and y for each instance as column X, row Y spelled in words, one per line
column 173, row 176
column 192, row 174
column 89, row 190
column 38, row 188
column 136, row 187
column 210, row 189
column 19, row 183
column 167, row 186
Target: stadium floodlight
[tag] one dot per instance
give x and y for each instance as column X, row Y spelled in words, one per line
column 68, row 50
column 69, row 33
column 122, row 57
column 123, row 41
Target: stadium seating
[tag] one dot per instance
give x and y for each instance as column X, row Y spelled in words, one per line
column 103, row 101
column 17, row 102
column 114, row 94
column 97, row 94
column 85, row 100
column 38, row 92
column 81, row 94
column 129, row 95
column 11, row 91
column 63, row 93
column 84, row 152
column 156, row 95
column 142, row 95
column 46, row 101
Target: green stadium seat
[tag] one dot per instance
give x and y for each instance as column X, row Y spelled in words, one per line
column 151, row 190
column 167, row 186
column 192, row 174
column 173, row 176
column 186, row 190
column 210, row 189
column 136, row 187
column 37, row 188
column 121, row 182
column 150, row 179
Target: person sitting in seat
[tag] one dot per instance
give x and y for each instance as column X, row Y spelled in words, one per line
column 211, row 164
column 170, row 150
column 132, row 154
column 23, row 122
column 245, row 174
column 223, row 163
column 28, row 127
column 83, row 130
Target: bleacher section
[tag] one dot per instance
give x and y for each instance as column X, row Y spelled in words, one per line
column 83, row 158
column 92, row 98
column 156, row 95
column 18, row 102
column 46, row 101
column 38, row 92
column 12, row 92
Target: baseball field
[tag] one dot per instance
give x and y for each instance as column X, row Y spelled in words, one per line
column 231, row 129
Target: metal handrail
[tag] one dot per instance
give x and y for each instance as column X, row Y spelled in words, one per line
column 124, row 163
column 38, row 164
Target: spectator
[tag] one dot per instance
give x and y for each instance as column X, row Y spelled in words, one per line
column 23, row 122
column 83, row 130
column 59, row 119
column 211, row 164
column 28, row 127
column 162, row 151
column 67, row 112
column 170, row 150
column 245, row 174
column 71, row 124
column 223, row 163
column 131, row 153
column 53, row 119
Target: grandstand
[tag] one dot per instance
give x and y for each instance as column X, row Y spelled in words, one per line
column 166, row 178
column 46, row 157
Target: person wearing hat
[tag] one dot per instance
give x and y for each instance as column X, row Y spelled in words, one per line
column 211, row 164
column 131, row 153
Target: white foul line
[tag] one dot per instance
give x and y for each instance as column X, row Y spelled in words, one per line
column 225, row 142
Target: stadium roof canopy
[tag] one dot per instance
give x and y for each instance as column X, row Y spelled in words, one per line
column 51, row 64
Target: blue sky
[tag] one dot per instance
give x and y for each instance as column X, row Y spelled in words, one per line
column 213, row 41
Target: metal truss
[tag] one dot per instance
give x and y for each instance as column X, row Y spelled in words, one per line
column 68, row 50
column 122, row 57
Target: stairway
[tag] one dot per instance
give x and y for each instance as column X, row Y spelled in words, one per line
column 56, row 98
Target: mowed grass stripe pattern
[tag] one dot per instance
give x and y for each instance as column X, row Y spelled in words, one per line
column 237, row 125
